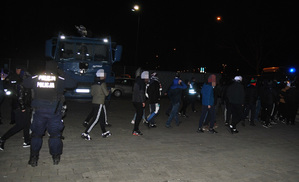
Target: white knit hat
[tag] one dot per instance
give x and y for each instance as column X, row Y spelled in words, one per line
column 100, row 73
column 238, row 78
column 145, row 75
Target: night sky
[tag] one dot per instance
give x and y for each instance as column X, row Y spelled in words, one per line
column 173, row 35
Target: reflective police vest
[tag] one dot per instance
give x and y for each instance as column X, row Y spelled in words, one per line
column 191, row 89
column 46, row 87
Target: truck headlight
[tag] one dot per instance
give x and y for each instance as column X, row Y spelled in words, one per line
column 7, row 92
column 82, row 90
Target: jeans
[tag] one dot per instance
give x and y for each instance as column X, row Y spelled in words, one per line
column 205, row 113
column 173, row 114
column 154, row 109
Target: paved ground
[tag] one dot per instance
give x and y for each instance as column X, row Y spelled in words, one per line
column 160, row 155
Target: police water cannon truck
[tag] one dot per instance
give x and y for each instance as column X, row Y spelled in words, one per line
column 81, row 57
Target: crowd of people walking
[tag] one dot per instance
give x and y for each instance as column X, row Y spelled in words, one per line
column 265, row 101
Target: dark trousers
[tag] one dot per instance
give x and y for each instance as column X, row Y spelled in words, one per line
column 252, row 108
column 266, row 113
column 204, row 116
column 22, row 123
column 186, row 103
column 98, row 115
column 237, row 114
column 45, row 119
column 139, row 111
column 95, row 110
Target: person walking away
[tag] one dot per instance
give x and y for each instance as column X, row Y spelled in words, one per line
column 185, row 100
column 175, row 93
column 282, row 110
column 292, row 102
column 267, row 102
column 10, row 84
column 208, row 107
column 99, row 92
column 48, row 90
column 138, row 100
column 251, row 94
column 22, row 116
column 2, row 92
column 154, row 94
column 236, row 95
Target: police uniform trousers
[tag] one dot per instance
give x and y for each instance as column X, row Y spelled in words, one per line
column 46, row 119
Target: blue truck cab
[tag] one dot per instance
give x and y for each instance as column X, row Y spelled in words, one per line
column 81, row 57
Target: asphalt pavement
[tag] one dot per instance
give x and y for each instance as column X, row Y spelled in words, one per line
column 179, row 154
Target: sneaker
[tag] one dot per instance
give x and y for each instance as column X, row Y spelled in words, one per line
column 168, row 126
column 33, row 161
column 273, row 122
column 56, row 159
column 200, row 130
column 137, row 133
column 144, row 121
column 215, row 125
column 212, row 131
column 108, row 125
column 152, row 126
column 234, row 131
column 106, row 134
column 85, row 124
column 2, row 144
column 267, row 125
column 26, row 145
column 85, row 136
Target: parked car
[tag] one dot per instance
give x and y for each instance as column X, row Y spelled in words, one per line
column 123, row 86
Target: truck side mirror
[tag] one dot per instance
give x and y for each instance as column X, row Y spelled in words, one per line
column 117, row 53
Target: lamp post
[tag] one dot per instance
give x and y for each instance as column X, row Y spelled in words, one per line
column 136, row 9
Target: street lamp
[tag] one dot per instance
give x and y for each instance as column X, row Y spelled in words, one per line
column 136, row 9
column 218, row 18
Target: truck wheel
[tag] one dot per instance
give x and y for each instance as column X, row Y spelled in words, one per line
column 117, row 93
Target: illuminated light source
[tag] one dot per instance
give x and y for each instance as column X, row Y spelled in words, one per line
column 82, row 90
column 292, row 70
column 7, row 92
column 105, row 40
column 218, row 18
column 62, row 37
column 135, row 8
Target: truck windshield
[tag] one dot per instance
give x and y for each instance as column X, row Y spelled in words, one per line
column 83, row 51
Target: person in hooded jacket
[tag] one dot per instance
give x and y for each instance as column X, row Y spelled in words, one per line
column 138, row 100
column 236, row 96
column 154, row 93
column 208, row 106
column 175, row 94
column 251, row 94
column 99, row 92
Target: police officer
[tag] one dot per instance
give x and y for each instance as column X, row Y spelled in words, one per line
column 48, row 91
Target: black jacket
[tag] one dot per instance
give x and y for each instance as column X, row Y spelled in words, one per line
column 236, row 93
column 153, row 92
column 251, row 94
column 139, row 90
